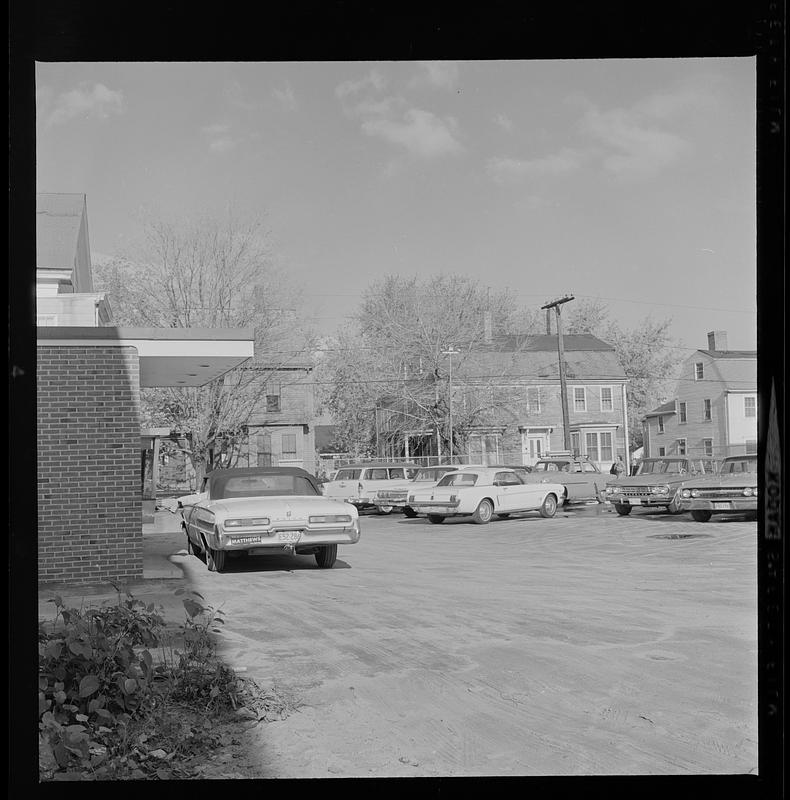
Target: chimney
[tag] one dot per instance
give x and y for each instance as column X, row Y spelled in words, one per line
column 717, row 340
column 487, row 326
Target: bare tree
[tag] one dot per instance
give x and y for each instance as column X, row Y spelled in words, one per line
column 398, row 359
column 215, row 272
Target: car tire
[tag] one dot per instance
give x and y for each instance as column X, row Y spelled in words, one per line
column 549, row 506
column 622, row 509
column 384, row 509
column 503, row 516
column 436, row 519
column 326, row 555
column 409, row 512
column 215, row 560
column 700, row 515
column 483, row 512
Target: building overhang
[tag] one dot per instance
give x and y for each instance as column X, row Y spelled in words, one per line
column 168, row 356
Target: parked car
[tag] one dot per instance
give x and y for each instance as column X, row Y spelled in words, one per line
column 657, row 482
column 263, row 510
column 581, row 477
column 358, row 483
column 393, row 498
column 483, row 492
column 733, row 489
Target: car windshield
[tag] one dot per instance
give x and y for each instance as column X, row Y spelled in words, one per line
column 650, row 467
column 225, row 487
column 458, row 479
column 430, row 474
column 736, row 465
column 348, row 474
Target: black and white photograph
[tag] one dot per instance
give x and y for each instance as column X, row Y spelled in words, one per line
column 397, row 418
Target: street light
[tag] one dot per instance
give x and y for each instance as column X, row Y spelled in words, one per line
column 450, row 352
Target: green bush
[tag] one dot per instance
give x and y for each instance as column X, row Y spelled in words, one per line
column 99, row 684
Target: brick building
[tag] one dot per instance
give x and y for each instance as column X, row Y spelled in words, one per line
column 89, row 375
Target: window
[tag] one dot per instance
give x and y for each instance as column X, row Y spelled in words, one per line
column 749, row 406
column 662, row 451
column 599, row 446
column 706, row 411
column 681, row 447
column 289, row 446
column 699, row 371
column 533, row 399
column 575, row 443
column 397, row 472
column 707, row 447
column 751, row 445
column 660, row 424
column 272, row 402
column 265, row 450
column 579, row 398
column 607, row 400
column 682, row 413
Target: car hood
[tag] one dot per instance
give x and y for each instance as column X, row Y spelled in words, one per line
column 650, row 480
column 733, row 479
column 279, row 507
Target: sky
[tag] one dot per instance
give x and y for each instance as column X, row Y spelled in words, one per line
column 627, row 181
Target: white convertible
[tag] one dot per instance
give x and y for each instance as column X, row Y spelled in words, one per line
column 265, row 510
column 484, row 492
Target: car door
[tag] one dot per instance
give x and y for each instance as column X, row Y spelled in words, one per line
column 506, row 488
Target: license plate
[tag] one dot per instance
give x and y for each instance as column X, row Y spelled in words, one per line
column 289, row 536
column 246, row 539
column 634, row 501
column 721, row 505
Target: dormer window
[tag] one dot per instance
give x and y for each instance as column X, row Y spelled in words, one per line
column 699, row 371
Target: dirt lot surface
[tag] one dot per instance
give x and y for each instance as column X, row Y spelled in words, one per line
column 587, row 644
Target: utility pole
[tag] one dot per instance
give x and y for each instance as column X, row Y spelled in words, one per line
column 450, row 352
column 555, row 304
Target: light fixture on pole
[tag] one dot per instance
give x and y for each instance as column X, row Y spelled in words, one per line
column 450, row 351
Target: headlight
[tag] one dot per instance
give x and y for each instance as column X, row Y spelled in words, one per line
column 686, row 493
column 330, row 518
column 610, row 490
column 695, row 492
column 749, row 492
column 660, row 490
column 253, row 522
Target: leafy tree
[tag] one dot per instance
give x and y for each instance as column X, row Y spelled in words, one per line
column 213, row 272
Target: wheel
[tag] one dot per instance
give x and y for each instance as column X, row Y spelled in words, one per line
column 503, row 516
column 622, row 510
column 701, row 515
column 436, row 519
column 549, row 506
column 385, row 509
column 409, row 512
column 483, row 512
column 215, row 560
column 326, row 556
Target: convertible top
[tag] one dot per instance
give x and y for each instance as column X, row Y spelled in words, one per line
column 216, row 479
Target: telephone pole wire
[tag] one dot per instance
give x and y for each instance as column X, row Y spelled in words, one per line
column 555, row 304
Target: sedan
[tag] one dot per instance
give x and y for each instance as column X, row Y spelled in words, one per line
column 265, row 510
column 484, row 492
column 732, row 490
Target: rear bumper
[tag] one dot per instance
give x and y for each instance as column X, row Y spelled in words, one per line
column 274, row 542
column 437, row 507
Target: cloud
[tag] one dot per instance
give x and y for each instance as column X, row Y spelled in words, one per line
column 286, row 98
column 420, row 132
column 633, row 145
column 504, row 170
column 504, row 122
column 436, row 74
column 85, row 101
column 235, row 96
column 373, row 80
column 219, row 137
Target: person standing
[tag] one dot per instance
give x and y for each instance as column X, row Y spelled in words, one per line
column 618, row 468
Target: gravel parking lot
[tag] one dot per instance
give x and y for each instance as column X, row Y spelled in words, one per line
column 587, row 644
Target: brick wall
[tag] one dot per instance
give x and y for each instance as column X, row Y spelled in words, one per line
column 89, row 492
